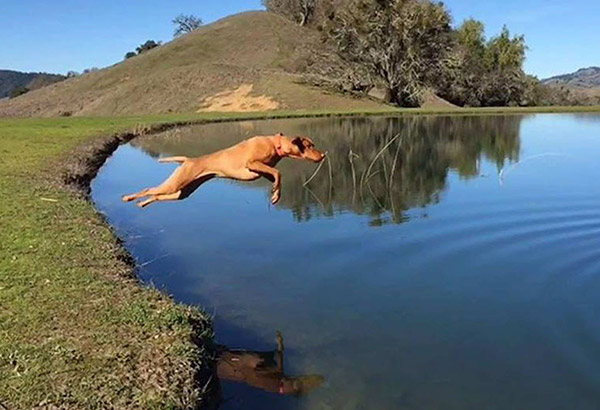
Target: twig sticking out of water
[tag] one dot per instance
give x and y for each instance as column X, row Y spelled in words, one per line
column 315, row 173
column 351, row 156
column 391, row 179
column 381, row 151
column 367, row 173
column 330, row 181
column 504, row 171
column 317, row 198
column 374, row 197
column 393, row 170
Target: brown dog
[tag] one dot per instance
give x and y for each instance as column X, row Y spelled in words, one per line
column 246, row 161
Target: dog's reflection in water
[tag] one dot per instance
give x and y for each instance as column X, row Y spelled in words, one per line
column 264, row 370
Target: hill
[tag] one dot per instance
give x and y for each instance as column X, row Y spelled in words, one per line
column 249, row 61
column 583, row 85
column 13, row 80
column 582, row 78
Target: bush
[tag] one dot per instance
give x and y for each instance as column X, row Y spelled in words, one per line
column 18, row 91
column 148, row 45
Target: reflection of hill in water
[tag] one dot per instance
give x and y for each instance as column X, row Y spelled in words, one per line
column 377, row 166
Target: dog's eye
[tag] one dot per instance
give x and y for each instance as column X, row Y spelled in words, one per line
column 299, row 143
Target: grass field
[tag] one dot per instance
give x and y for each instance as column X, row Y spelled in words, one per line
column 76, row 329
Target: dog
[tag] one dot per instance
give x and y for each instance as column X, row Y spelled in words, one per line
column 264, row 370
column 246, row 161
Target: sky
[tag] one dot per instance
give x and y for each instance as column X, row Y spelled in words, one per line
column 62, row 35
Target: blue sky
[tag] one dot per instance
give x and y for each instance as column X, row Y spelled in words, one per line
column 63, row 35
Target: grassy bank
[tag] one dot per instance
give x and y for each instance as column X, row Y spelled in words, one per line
column 76, row 329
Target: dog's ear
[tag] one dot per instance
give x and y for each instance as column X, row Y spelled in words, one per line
column 310, row 142
column 297, row 141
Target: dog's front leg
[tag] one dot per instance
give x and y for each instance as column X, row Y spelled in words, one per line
column 266, row 170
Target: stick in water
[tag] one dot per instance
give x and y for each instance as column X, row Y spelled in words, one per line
column 316, row 172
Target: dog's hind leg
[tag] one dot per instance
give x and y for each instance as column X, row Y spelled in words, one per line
column 159, row 190
column 161, row 197
column 172, row 159
column 141, row 194
column 179, row 178
column 183, row 193
column 146, row 202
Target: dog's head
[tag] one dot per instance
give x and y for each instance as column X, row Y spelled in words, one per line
column 304, row 148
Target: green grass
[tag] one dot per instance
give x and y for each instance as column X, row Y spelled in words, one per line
column 76, row 331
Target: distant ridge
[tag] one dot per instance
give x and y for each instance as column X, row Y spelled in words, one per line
column 583, row 78
column 12, row 80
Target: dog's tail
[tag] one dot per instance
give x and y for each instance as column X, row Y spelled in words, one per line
column 172, row 159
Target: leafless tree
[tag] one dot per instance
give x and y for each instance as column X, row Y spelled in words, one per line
column 300, row 11
column 185, row 24
column 399, row 42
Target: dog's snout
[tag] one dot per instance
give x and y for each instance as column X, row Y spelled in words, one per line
column 321, row 156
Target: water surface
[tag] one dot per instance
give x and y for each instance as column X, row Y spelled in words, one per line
column 431, row 263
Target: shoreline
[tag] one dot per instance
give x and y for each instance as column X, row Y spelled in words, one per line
column 63, row 173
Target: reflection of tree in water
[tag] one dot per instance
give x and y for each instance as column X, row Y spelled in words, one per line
column 376, row 166
column 384, row 166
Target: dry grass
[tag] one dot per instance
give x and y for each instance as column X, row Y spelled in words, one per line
column 257, row 48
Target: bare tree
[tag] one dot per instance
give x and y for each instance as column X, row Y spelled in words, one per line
column 185, row 24
column 399, row 42
column 299, row 11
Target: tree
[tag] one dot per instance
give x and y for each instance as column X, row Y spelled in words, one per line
column 504, row 53
column 471, row 37
column 401, row 43
column 18, row 91
column 505, row 81
column 148, row 45
column 185, row 24
column 130, row 54
column 486, row 73
column 300, row 11
column 461, row 82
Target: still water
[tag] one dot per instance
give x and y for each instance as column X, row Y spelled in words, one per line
column 431, row 263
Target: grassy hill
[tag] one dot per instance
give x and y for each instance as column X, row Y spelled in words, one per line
column 260, row 52
column 13, row 80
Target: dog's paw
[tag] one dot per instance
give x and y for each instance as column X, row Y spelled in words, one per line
column 127, row 198
column 275, row 197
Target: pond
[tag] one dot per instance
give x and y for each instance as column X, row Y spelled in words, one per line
column 433, row 262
